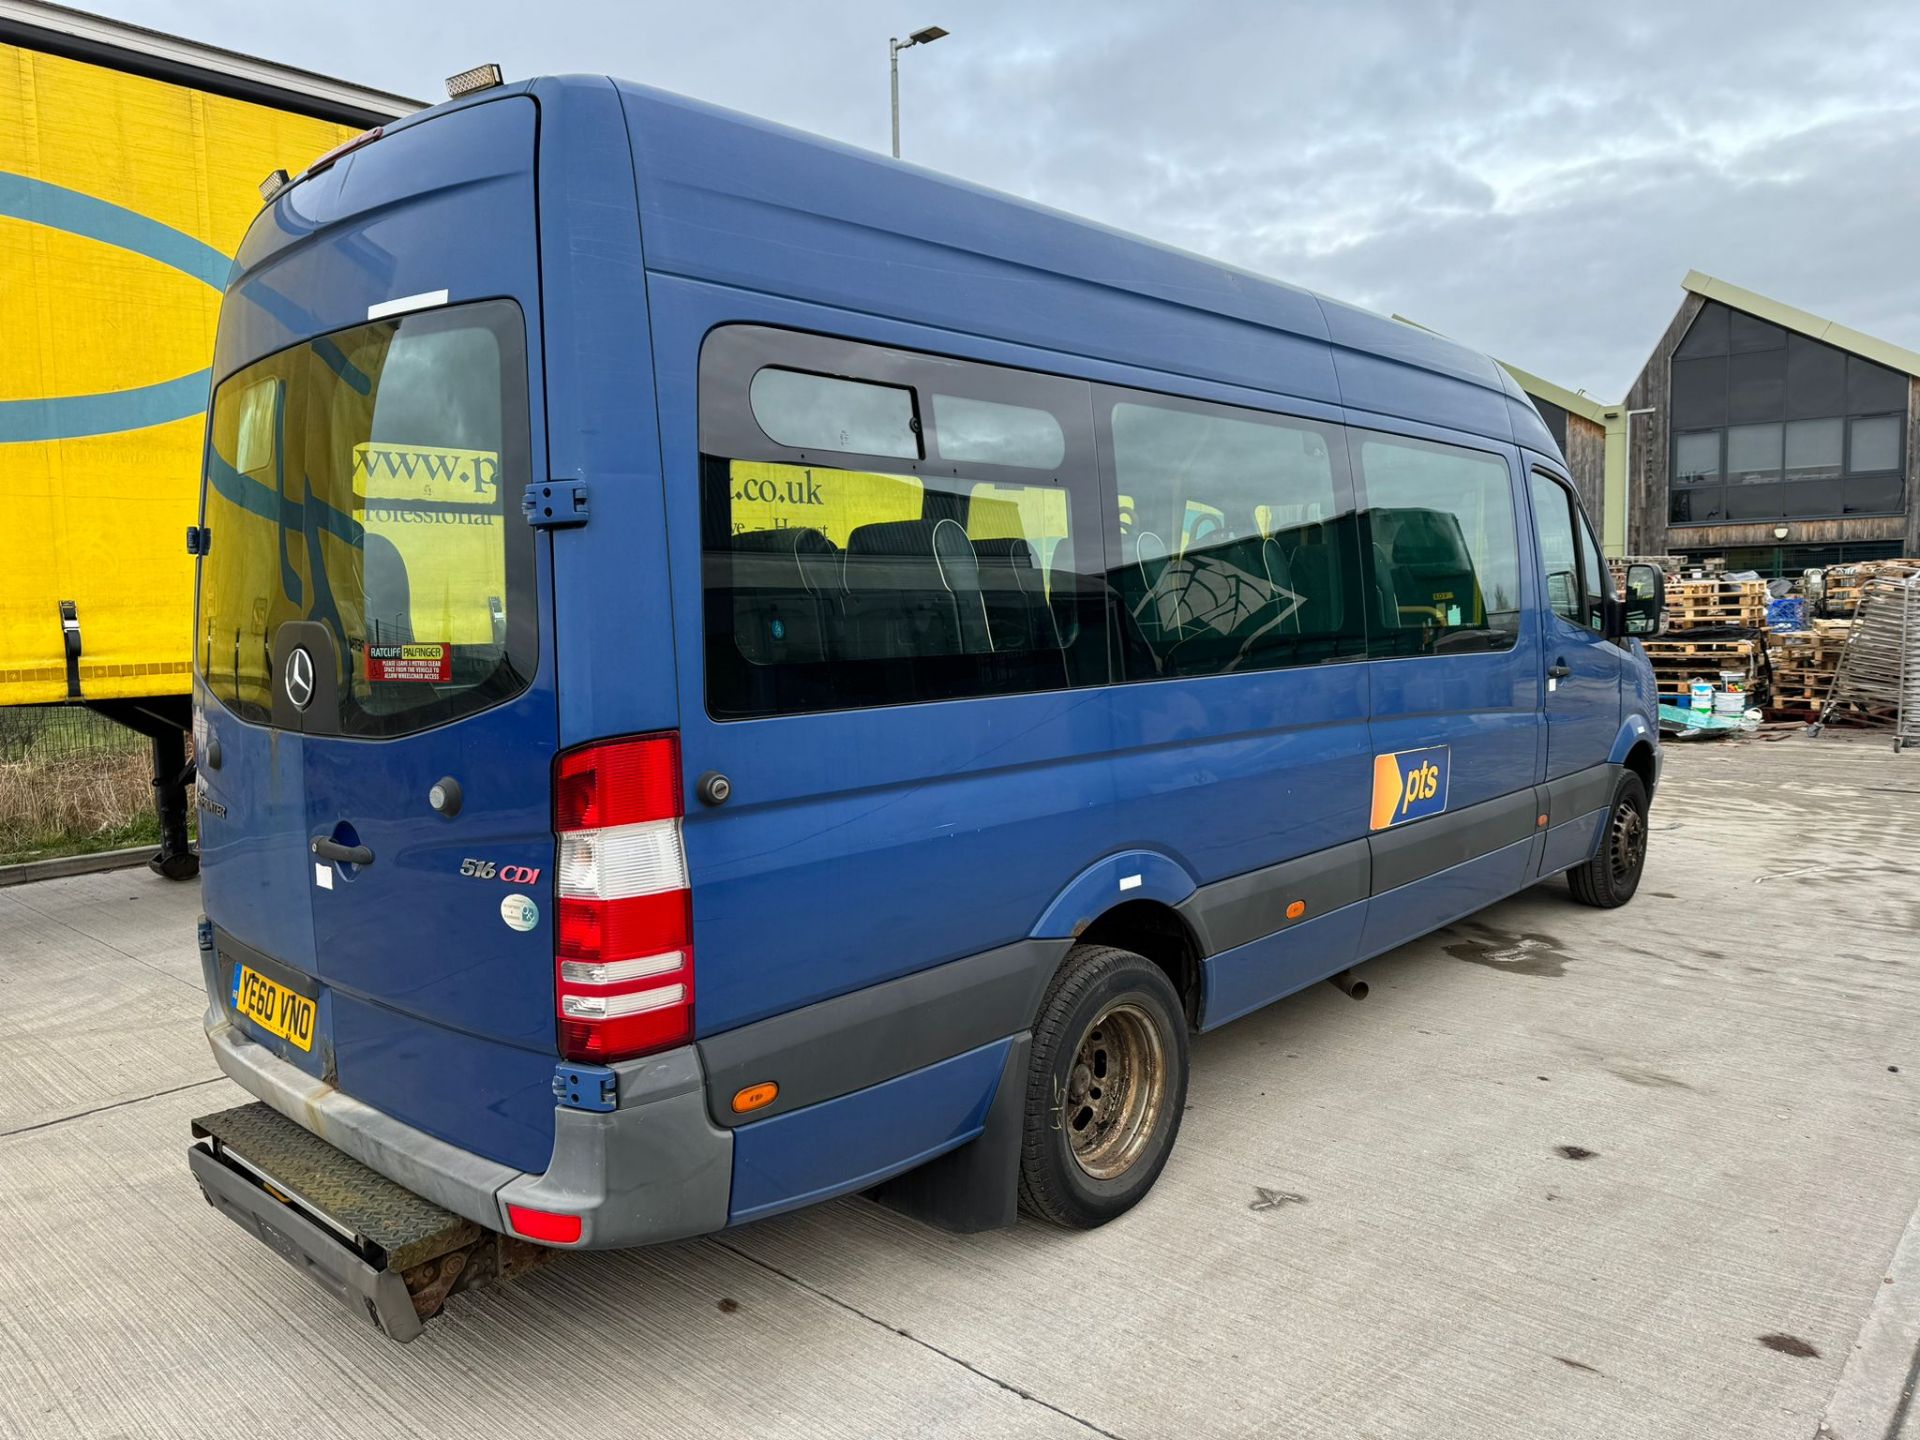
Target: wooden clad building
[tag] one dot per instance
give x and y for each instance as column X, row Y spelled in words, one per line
column 1584, row 429
column 1772, row 438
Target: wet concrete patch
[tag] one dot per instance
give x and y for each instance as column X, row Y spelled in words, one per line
column 1528, row 953
column 1265, row 1199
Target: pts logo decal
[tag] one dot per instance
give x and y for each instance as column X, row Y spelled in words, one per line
column 1409, row 785
column 506, row 874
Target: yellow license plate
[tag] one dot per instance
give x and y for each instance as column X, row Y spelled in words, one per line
column 274, row 1007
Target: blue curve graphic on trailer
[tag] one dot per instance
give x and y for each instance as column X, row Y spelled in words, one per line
column 68, row 417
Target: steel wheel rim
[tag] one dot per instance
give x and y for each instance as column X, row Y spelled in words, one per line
column 1628, row 841
column 1115, row 1092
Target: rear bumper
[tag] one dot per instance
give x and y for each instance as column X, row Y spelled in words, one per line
column 655, row 1169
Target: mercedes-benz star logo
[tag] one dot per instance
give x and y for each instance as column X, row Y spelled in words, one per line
column 299, row 677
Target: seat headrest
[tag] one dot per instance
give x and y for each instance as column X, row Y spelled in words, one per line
column 1013, row 551
column 892, row 537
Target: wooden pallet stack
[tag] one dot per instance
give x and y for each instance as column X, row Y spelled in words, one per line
column 1617, row 568
column 1680, row 659
column 1715, row 627
column 1711, row 603
column 1844, row 583
column 1803, row 663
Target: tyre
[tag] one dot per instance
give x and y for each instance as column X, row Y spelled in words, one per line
column 1613, row 874
column 1106, row 1085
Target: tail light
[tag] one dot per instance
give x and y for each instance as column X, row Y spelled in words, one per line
column 623, row 959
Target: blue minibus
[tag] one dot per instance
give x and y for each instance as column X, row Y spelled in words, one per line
column 731, row 670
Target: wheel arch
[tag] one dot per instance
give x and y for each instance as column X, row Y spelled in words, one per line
column 1157, row 932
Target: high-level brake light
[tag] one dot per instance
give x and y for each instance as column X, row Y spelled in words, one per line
column 623, row 962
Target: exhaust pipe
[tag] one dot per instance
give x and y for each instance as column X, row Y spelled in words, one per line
column 1349, row 983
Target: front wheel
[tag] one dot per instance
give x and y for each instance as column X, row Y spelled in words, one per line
column 1613, row 874
column 1105, row 1088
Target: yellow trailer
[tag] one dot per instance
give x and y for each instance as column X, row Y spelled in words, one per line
column 130, row 166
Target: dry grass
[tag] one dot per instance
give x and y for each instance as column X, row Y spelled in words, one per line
column 75, row 803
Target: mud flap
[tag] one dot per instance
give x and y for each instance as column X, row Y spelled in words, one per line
column 389, row 1256
column 976, row 1187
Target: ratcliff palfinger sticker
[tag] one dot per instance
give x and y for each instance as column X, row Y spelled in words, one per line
column 519, row 912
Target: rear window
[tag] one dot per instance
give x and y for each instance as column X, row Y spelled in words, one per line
column 368, row 480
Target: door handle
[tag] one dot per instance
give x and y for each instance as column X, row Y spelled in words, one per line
column 1558, row 670
column 342, row 854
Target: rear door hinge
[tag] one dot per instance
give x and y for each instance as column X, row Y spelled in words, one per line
column 197, row 538
column 555, row 504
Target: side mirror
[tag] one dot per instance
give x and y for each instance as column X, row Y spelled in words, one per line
column 1643, row 612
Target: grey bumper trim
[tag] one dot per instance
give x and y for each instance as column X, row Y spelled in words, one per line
column 655, row 1169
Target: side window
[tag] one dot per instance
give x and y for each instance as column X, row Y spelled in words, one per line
column 869, row 579
column 1441, row 550
column 1234, row 545
column 1559, row 551
column 1595, row 581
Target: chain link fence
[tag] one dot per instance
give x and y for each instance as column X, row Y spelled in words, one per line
column 71, row 781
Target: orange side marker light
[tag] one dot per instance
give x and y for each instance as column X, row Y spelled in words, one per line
column 755, row 1097
column 1296, row 909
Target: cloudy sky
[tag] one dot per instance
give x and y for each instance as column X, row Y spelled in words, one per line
column 1531, row 178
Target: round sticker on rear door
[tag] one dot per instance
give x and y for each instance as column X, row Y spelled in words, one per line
column 520, row 912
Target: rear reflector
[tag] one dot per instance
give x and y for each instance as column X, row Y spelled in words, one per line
column 544, row 1225
column 623, row 960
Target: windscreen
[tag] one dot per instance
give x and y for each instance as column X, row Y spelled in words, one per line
column 368, row 481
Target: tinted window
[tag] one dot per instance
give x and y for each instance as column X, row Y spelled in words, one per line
column 1816, row 378
column 1813, row 447
column 838, row 586
column 1749, row 333
column 965, row 428
column 369, row 481
column 1874, row 387
column 1757, row 385
column 1559, row 553
column 1797, row 413
column 1875, row 445
column 818, row 412
column 1753, row 452
column 1696, row 457
column 1708, row 333
column 1234, row 549
column 1595, row 583
column 1699, row 392
column 1443, row 563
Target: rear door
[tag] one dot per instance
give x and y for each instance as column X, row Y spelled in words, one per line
column 1582, row 667
column 398, row 595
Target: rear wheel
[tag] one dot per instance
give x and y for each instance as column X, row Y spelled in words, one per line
column 1105, row 1088
column 1613, row 874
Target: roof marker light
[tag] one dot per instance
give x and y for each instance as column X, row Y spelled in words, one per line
column 470, row 82
column 271, row 187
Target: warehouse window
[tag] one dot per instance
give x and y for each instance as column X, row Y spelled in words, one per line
column 1769, row 425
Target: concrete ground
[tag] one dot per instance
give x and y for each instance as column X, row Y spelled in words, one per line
column 1566, row 1173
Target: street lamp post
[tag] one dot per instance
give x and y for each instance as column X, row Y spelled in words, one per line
column 894, row 46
